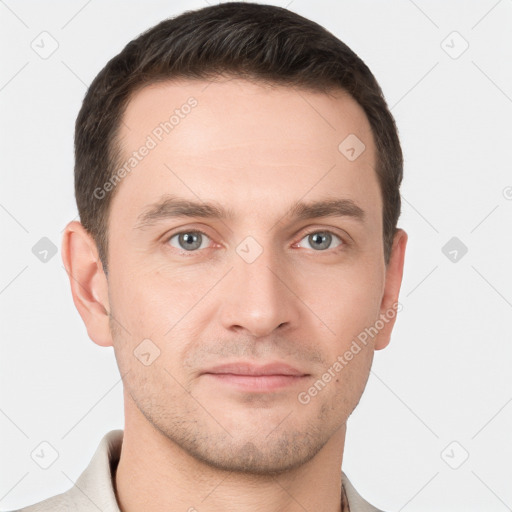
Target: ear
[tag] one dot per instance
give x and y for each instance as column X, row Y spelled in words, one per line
column 89, row 285
column 389, row 306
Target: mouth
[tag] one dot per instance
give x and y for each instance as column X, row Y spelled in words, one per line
column 253, row 378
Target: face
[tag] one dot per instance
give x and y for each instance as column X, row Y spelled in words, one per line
column 245, row 258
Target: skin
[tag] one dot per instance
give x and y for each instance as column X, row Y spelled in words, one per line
column 191, row 440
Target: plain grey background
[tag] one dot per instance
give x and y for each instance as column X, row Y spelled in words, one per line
column 432, row 430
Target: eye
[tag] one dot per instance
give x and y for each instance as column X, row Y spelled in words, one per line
column 321, row 240
column 188, row 240
column 194, row 240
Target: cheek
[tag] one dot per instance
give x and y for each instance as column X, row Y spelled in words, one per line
column 352, row 379
column 150, row 301
column 347, row 299
column 162, row 307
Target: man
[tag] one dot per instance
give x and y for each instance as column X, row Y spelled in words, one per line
column 237, row 177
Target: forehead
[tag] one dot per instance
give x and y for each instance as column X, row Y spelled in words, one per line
column 244, row 143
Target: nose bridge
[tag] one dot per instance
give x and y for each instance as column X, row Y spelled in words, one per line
column 257, row 296
column 258, row 268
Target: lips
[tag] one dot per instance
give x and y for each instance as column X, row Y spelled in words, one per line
column 247, row 377
column 248, row 369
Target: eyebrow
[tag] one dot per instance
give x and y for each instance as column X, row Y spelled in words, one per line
column 169, row 207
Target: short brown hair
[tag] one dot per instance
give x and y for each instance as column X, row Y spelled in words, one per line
column 254, row 41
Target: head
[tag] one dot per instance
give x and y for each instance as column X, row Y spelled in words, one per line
column 237, row 178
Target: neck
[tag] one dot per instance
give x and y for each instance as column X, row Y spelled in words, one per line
column 155, row 474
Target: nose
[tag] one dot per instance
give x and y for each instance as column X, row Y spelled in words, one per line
column 258, row 296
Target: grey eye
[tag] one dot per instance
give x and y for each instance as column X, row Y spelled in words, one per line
column 188, row 240
column 321, row 240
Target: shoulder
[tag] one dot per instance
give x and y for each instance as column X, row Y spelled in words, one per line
column 356, row 502
column 59, row 503
column 94, row 489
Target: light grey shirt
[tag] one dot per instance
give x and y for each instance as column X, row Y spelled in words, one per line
column 94, row 489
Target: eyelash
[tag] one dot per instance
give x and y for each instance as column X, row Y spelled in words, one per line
column 341, row 247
